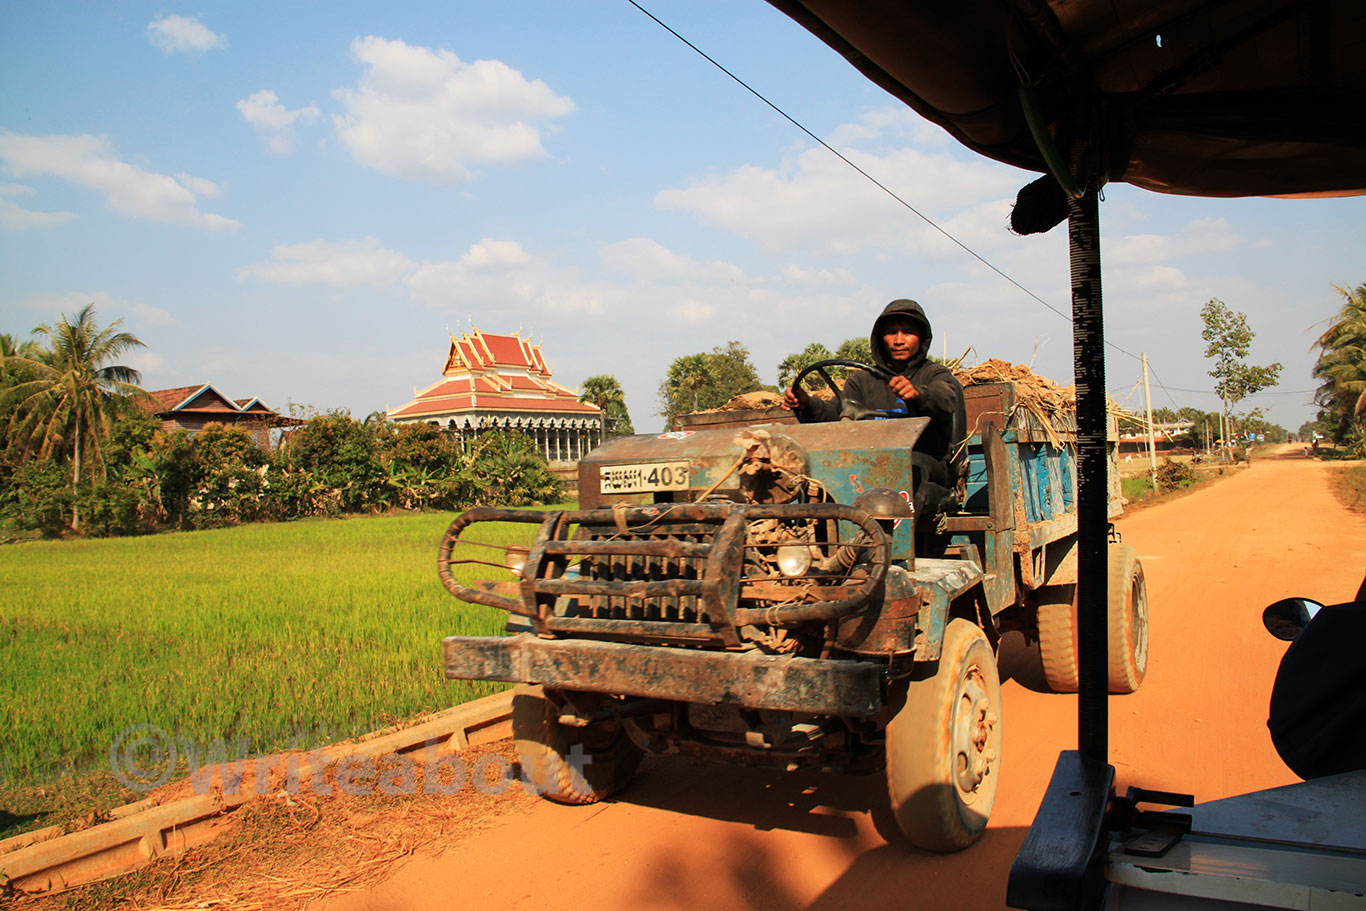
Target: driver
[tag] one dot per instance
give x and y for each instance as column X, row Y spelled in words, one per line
column 919, row 387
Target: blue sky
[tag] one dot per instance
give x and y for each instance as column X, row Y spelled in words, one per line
column 298, row 201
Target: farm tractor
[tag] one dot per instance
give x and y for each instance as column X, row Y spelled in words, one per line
column 787, row 594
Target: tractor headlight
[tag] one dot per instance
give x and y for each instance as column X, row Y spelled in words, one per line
column 794, row 559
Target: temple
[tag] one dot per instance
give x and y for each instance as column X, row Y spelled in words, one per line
column 502, row 382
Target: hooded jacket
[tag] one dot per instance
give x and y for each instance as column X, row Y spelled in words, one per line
column 939, row 391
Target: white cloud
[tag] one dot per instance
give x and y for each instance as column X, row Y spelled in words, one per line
column 182, row 35
column 500, row 277
column 263, row 110
column 490, row 253
column 146, row 362
column 90, row 161
column 642, row 258
column 1201, row 236
column 15, row 217
column 426, row 115
column 817, row 202
column 362, row 262
column 794, row 274
column 154, row 315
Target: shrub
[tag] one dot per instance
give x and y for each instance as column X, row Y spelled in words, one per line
column 511, row 472
column 112, row 507
column 39, row 497
column 341, row 454
column 228, row 473
column 1174, row 474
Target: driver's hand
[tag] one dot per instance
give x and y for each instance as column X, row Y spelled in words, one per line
column 903, row 388
column 795, row 398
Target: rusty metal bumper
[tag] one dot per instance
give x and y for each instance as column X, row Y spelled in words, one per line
column 751, row 679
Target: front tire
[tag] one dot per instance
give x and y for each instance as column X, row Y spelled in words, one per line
column 944, row 745
column 1128, row 620
column 573, row 765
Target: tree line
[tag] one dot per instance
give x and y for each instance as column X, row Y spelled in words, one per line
column 1341, row 370
column 707, row 380
column 82, row 452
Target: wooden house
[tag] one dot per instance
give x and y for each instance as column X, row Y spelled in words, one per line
column 191, row 408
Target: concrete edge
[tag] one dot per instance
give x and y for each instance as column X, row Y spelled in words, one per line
column 45, row 861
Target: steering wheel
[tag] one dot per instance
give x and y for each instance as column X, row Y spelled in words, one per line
column 850, row 408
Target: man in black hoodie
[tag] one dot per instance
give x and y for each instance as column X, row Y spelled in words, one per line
column 918, row 388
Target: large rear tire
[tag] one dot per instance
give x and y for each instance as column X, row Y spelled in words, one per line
column 1048, row 663
column 944, row 745
column 574, row 765
column 1128, row 620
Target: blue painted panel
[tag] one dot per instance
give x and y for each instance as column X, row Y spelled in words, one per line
column 1030, row 481
column 1067, row 462
column 977, row 482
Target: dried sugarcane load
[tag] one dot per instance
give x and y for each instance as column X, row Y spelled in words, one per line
column 745, row 588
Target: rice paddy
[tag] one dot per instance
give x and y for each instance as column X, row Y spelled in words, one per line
column 257, row 638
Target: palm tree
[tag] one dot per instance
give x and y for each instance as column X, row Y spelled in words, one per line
column 1342, row 361
column 693, row 373
column 68, row 397
column 606, row 393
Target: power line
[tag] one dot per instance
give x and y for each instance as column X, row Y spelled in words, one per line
column 921, row 215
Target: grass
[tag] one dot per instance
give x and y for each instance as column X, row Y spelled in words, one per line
column 256, row 638
column 1349, row 486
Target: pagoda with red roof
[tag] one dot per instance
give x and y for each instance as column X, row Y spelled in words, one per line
column 502, row 382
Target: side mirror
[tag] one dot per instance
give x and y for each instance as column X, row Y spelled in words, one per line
column 1288, row 617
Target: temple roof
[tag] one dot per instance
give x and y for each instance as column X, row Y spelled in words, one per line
column 487, row 372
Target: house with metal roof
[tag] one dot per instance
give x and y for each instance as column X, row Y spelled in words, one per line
column 191, row 408
column 502, row 382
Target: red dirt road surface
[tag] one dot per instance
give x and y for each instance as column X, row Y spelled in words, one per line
column 690, row 835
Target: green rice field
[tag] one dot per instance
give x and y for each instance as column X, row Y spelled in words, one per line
column 259, row 637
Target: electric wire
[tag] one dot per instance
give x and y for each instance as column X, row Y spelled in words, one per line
column 921, row 215
column 833, row 151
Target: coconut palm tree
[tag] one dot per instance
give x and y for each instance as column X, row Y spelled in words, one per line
column 1342, row 361
column 65, row 403
column 606, row 393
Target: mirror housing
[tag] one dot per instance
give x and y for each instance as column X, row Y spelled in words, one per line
column 1288, row 617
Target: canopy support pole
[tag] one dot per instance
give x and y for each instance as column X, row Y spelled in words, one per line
column 1088, row 359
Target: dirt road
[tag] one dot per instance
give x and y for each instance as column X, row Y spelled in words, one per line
column 689, row 835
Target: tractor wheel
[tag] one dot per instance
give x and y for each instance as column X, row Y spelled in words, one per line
column 1057, row 618
column 569, row 764
column 1128, row 620
column 944, row 745
column 1047, row 664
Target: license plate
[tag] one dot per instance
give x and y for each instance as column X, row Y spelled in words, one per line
column 645, row 477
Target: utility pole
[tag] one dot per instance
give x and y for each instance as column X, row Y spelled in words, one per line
column 1148, row 404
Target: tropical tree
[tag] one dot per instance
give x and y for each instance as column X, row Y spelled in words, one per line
column 1228, row 340
column 69, row 394
column 794, row 364
column 707, row 380
column 1341, row 365
column 856, row 349
column 605, row 392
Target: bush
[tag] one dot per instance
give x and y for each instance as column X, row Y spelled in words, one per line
column 341, row 454
column 1174, row 474
column 112, row 507
column 228, row 474
column 39, row 497
column 509, row 471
